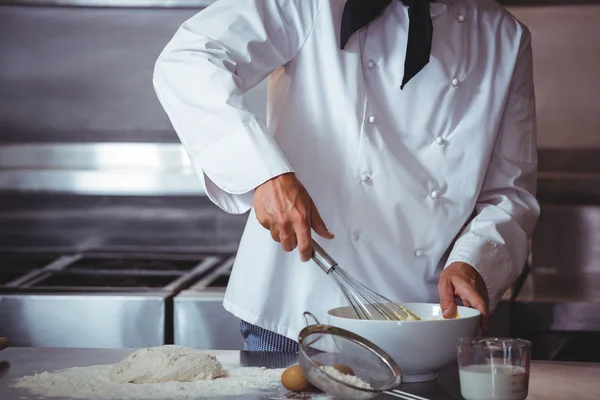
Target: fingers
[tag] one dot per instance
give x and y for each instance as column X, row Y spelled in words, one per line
column 470, row 295
column 468, row 285
column 287, row 235
column 283, row 206
column 288, row 242
column 303, row 236
column 305, row 245
column 447, row 302
column 317, row 223
column 476, row 301
column 293, row 230
column 275, row 233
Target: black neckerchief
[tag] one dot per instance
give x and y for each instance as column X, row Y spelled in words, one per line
column 360, row 13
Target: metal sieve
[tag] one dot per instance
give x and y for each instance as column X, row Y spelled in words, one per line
column 374, row 370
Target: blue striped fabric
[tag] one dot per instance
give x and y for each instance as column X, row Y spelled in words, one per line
column 259, row 339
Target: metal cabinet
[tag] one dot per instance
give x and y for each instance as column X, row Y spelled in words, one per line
column 199, row 319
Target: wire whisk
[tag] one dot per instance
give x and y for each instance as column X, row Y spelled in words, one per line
column 365, row 303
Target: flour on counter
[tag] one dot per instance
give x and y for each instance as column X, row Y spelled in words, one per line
column 167, row 363
column 93, row 382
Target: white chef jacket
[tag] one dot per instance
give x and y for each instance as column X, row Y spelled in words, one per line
column 408, row 180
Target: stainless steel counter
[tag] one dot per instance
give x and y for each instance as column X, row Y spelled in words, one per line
column 549, row 381
column 201, row 322
column 18, row 362
column 95, row 300
column 85, row 320
column 560, row 313
column 559, row 302
column 199, row 319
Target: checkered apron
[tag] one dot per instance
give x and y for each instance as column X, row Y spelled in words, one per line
column 259, row 339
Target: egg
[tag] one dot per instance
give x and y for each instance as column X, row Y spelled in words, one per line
column 344, row 369
column 293, row 379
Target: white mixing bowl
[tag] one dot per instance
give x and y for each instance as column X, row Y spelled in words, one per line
column 420, row 348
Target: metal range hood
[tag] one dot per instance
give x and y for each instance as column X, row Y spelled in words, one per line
column 205, row 3
column 113, row 3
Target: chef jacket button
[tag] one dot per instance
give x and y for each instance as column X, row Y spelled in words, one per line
column 371, row 64
column 454, row 82
column 440, row 140
column 365, row 178
column 434, row 195
column 372, row 119
column 461, row 18
column 355, row 237
column 418, row 253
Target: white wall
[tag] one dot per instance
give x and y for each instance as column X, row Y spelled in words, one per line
column 566, row 47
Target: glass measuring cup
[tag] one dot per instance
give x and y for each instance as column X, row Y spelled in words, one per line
column 373, row 371
column 494, row 368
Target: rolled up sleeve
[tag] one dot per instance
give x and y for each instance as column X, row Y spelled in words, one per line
column 200, row 79
column 496, row 241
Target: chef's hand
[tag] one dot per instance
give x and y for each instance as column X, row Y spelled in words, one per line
column 283, row 206
column 462, row 280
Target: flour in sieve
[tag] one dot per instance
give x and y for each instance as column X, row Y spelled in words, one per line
column 349, row 379
column 93, row 382
column 341, row 390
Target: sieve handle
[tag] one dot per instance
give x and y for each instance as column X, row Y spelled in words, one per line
column 307, row 314
column 404, row 395
column 323, row 259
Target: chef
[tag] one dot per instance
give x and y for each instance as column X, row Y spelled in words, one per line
column 400, row 135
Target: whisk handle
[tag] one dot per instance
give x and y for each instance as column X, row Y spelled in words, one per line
column 322, row 259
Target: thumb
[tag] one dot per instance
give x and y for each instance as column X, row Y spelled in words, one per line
column 447, row 302
column 317, row 223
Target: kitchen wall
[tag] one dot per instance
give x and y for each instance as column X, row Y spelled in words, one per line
column 78, row 112
column 566, row 51
column 84, row 74
column 80, row 74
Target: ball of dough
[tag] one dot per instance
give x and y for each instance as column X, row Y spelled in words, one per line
column 166, row 364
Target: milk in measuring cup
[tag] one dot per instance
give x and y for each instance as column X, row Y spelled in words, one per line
column 498, row 382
